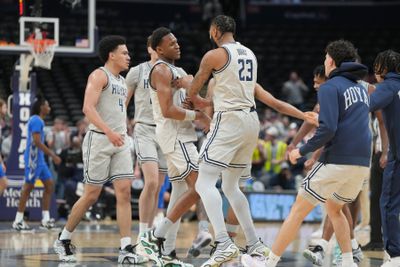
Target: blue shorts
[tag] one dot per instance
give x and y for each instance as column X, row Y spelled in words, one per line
column 2, row 173
column 41, row 172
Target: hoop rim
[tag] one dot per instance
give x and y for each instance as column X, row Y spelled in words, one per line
column 42, row 42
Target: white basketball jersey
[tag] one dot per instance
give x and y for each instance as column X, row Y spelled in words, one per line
column 111, row 105
column 235, row 82
column 138, row 79
column 170, row 130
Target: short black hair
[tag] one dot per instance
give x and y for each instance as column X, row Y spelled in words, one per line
column 387, row 61
column 319, row 71
column 39, row 102
column 224, row 24
column 148, row 41
column 109, row 44
column 341, row 51
column 157, row 36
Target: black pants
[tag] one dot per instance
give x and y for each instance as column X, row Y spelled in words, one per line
column 376, row 189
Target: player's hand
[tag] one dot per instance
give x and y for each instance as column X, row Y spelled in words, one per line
column 289, row 149
column 4, row 167
column 199, row 102
column 311, row 117
column 56, row 160
column 383, row 160
column 308, row 164
column 186, row 104
column 115, row 138
column 294, row 155
column 183, row 82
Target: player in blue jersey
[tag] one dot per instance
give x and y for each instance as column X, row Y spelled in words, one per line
column 387, row 98
column 3, row 178
column 36, row 167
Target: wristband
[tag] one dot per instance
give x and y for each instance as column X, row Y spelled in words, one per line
column 190, row 115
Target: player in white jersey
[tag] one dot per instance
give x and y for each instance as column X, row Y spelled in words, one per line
column 233, row 134
column 232, row 224
column 175, row 134
column 148, row 152
column 106, row 153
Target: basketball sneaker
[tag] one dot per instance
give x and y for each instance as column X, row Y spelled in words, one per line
column 222, row 252
column 172, row 261
column 21, row 226
column 48, row 225
column 249, row 261
column 258, row 249
column 202, row 240
column 65, row 250
column 316, row 255
column 358, row 255
column 128, row 256
column 139, row 247
column 152, row 246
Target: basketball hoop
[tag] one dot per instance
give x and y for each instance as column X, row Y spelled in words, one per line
column 42, row 51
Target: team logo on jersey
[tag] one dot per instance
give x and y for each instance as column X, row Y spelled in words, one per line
column 353, row 95
column 119, row 90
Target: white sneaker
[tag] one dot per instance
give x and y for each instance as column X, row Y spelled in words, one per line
column 394, row 262
column 202, row 240
column 152, row 246
column 65, row 250
column 222, row 252
column 21, row 226
column 315, row 255
column 249, row 261
column 358, row 255
column 49, row 225
column 128, row 256
column 258, row 249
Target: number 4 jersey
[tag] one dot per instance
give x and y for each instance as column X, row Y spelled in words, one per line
column 111, row 105
column 235, row 81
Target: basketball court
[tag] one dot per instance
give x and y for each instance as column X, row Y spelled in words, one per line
column 97, row 245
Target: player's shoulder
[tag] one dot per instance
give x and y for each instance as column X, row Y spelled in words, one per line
column 35, row 119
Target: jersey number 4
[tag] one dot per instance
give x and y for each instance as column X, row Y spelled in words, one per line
column 121, row 104
column 245, row 70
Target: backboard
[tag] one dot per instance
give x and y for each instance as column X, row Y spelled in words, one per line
column 71, row 23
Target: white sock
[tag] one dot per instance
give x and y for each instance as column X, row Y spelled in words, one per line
column 324, row 244
column 395, row 260
column 203, row 226
column 45, row 215
column 19, row 216
column 65, row 235
column 347, row 259
column 232, row 228
column 143, row 227
column 163, row 227
column 354, row 244
column 125, row 241
column 272, row 260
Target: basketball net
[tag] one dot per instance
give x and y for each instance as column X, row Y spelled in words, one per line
column 42, row 51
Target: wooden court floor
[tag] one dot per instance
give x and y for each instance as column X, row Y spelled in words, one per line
column 97, row 245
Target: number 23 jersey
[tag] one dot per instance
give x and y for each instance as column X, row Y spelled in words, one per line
column 236, row 80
